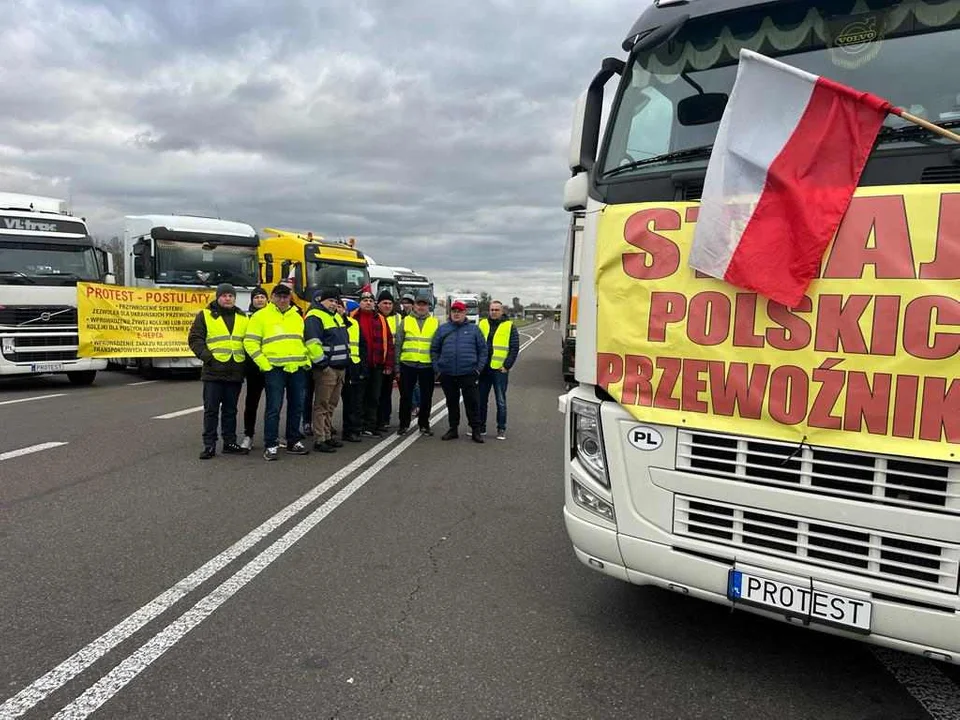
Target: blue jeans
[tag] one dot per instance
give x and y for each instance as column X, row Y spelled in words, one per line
column 276, row 382
column 498, row 381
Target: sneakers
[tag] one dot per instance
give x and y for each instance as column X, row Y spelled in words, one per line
column 403, row 430
column 501, row 434
column 271, row 453
column 426, row 431
column 298, row 448
column 450, row 434
column 324, row 447
column 372, row 433
column 476, row 436
column 208, row 452
column 247, row 443
column 233, row 449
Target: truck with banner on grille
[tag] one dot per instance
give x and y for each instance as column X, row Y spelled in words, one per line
column 44, row 252
column 800, row 463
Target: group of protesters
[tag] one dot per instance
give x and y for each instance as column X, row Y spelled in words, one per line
column 349, row 352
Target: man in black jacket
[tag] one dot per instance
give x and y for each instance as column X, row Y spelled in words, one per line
column 216, row 337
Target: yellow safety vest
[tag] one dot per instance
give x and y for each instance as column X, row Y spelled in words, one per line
column 353, row 332
column 501, row 341
column 416, row 342
column 315, row 348
column 224, row 345
column 275, row 339
column 392, row 324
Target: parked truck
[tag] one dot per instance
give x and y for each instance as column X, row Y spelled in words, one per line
column 44, row 252
column 797, row 463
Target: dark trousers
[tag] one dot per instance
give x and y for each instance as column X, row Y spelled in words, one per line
column 453, row 387
column 277, row 384
column 370, row 397
column 308, row 389
column 352, row 397
column 251, row 402
column 498, row 381
column 412, row 378
column 220, row 404
column 386, row 401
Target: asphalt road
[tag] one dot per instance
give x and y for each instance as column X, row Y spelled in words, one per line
column 403, row 578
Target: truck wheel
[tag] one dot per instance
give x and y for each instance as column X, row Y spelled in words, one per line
column 82, row 377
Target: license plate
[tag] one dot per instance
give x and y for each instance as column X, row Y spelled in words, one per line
column 46, row 367
column 797, row 601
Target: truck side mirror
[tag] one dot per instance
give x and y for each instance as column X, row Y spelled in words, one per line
column 268, row 268
column 588, row 115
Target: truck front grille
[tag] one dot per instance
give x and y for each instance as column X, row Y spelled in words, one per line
column 906, row 561
column 38, row 316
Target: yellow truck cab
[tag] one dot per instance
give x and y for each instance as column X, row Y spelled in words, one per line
column 312, row 263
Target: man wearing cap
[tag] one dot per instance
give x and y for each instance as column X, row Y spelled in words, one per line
column 385, row 409
column 216, row 337
column 414, row 334
column 379, row 358
column 354, row 376
column 459, row 352
column 274, row 341
column 327, row 345
column 407, row 301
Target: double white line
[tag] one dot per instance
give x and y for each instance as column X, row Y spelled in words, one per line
column 115, row 680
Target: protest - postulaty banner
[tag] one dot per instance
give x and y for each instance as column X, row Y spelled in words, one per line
column 127, row 322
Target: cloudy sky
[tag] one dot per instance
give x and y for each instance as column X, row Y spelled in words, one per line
column 434, row 132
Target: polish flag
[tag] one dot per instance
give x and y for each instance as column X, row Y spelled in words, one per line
column 787, row 158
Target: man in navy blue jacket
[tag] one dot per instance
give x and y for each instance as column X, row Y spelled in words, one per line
column 459, row 352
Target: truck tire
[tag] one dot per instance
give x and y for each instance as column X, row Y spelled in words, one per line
column 82, row 377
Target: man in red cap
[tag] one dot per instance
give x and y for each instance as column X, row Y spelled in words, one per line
column 459, row 352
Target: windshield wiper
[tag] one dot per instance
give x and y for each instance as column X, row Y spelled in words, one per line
column 19, row 275
column 675, row 156
column 912, row 132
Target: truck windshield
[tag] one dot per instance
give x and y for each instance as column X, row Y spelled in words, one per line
column 415, row 288
column 189, row 263
column 349, row 278
column 897, row 51
column 28, row 262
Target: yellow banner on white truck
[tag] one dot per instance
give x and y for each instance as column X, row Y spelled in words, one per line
column 128, row 322
column 867, row 361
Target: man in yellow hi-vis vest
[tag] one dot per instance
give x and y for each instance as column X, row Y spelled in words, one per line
column 216, row 337
column 503, row 345
column 414, row 333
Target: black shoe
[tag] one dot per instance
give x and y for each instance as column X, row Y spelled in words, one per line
column 324, row 447
column 353, row 437
column 450, row 434
column 403, row 430
column 298, row 448
column 334, row 443
column 208, row 452
column 426, row 431
column 374, row 433
column 233, row 449
column 476, row 436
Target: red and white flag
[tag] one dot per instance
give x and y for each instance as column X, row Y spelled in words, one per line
column 787, row 158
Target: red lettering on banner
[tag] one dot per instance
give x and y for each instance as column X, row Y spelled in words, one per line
column 708, row 318
column 940, row 413
column 838, row 323
column 739, row 390
column 905, row 406
column 794, row 332
column 946, row 259
column 670, row 368
column 665, row 308
column 660, row 256
column 609, row 369
column 885, row 218
column 789, row 388
column 919, row 338
column 867, row 405
column 831, row 385
column 886, row 323
column 637, row 380
column 744, row 322
column 693, row 385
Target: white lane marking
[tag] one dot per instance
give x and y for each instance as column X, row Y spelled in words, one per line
column 178, row 413
column 84, row 658
column 938, row 695
column 142, row 382
column 28, row 450
column 115, row 680
column 29, row 399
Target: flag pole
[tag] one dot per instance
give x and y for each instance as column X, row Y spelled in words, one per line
column 925, row 124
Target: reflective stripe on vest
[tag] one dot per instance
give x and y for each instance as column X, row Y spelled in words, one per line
column 416, row 342
column 334, row 353
column 280, row 338
column 224, row 345
column 501, row 341
column 353, row 332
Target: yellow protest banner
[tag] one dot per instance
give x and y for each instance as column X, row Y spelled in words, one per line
column 126, row 322
column 867, row 361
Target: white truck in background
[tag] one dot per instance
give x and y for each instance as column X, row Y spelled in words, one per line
column 471, row 300
column 44, row 252
column 185, row 251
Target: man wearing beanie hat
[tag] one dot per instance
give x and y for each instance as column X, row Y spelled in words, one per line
column 327, row 344
column 385, row 408
column 216, row 337
column 379, row 358
column 253, row 377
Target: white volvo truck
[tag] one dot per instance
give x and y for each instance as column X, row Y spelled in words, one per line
column 800, row 464
column 44, row 252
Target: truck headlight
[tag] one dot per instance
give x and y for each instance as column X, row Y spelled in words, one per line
column 586, row 439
